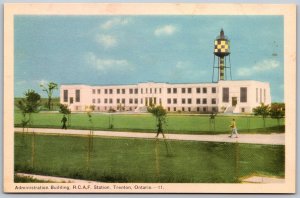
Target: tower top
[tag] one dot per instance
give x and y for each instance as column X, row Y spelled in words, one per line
column 222, row 35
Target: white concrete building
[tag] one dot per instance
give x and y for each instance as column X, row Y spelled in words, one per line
column 223, row 96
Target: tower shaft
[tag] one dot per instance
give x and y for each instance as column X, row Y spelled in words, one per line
column 221, row 68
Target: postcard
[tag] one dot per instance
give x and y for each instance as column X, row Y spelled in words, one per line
column 149, row 98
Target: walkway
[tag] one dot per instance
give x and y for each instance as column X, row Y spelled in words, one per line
column 274, row 138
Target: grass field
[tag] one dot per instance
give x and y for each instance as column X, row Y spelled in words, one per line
column 176, row 123
column 137, row 160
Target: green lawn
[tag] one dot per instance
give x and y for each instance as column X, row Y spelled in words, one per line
column 193, row 124
column 140, row 160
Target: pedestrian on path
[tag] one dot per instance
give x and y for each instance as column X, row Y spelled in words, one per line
column 233, row 128
column 64, row 121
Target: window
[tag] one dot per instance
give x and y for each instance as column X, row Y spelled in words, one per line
column 169, row 90
column 169, row 100
column 77, row 95
column 110, row 101
column 123, row 91
column 243, row 110
column 141, row 91
column 123, row 100
column 174, row 90
column 213, row 90
column 225, row 94
column 130, row 91
column 189, row 90
column 155, row 90
column 141, row 100
column 159, row 90
column 204, row 90
column 189, row 100
column 135, row 101
column 182, row 90
column 174, row 100
column 105, row 91
column 256, row 94
column 189, row 109
column 146, row 90
column 198, row 90
column 65, row 95
column 174, row 108
column 213, row 101
column 98, row 91
column 110, row 91
column 136, row 90
column 183, row 109
column 204, row 109
column 183, row 100
column 130, row 101
column 160, row 101
column 118, row 101
column 105, row 100
column 94, row 100
column 198, row 101
column 118, row 91
column 198, row 109
column 260, row 95
column 243, row 94
column 98, row 100
column 94, row 91
column 151, row 90
column 204, row 101
column 168, row 108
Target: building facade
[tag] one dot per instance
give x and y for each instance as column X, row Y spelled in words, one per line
column 223, row 96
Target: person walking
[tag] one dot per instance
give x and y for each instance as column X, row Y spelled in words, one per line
column 64, row 121
column 233, row 128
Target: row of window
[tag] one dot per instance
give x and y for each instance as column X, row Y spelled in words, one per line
column 261, row 96
column 130, row 91
column 189, row 101
column 153, row 90
column 147, row 101
column 189, row 109
column 189, row 90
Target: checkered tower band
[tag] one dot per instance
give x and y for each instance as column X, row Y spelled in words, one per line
column 222, row 46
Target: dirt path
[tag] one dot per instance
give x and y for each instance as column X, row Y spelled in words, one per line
column 274, row 138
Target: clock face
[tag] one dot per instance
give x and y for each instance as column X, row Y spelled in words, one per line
column 221, row 46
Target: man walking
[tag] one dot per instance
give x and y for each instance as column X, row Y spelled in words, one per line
column 233, row 128
column 64, row 120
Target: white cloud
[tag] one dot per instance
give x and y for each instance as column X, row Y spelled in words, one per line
column 166, row 30
column 114, row 22
column 42, row 82
column 106, row 40
column 262, row 66
column 105, row 65
column 21, row 82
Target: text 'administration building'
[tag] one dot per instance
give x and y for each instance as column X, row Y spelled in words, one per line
column 221, row 96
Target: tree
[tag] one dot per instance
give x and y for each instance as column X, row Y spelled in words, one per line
column 262, row 110
column 277, row 111
column 160, row 114
column 49, row 88
column 64, row 109
column 28, row 105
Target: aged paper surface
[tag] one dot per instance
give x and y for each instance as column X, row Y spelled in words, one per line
column 288, row 12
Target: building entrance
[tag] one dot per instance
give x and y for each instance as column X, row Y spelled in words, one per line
column 234, row 101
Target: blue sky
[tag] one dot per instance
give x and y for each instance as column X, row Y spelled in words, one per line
column 100, row 50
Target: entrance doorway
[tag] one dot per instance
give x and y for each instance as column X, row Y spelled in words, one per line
column 234, row 101
column 71, row 100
